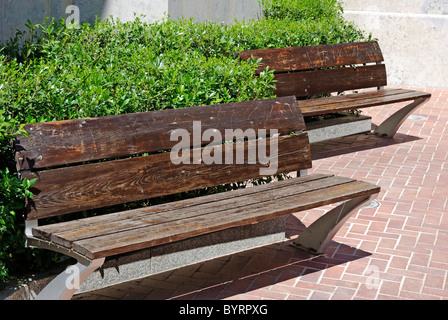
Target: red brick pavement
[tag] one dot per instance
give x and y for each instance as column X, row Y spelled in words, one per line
column 398, row 250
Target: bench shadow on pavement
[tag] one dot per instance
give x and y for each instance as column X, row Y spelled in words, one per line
column 356, row 143
column 241, row 273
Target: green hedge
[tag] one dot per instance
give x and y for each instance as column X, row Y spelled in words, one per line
column 53, row 72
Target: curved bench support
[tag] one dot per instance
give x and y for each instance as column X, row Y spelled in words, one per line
column 391, row 125
column 316, row 238
column 67, row 282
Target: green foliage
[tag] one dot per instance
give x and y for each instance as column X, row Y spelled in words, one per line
column 115, row 67
column 299, row 10
column 8, row 128
column 51, row 72
column 12, row 194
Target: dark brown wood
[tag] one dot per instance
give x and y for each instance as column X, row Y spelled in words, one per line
column 99, row 226
column 72, row 189
column 189, row 227
column 50, row 232
column 45, row 232
column 310, row 83
column 315, row 57
column 75, row 141
column 306, row 72
column 202, row 215
column 349, row 97
column 326, row 105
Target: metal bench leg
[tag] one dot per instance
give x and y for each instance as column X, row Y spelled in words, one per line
column 390, row 126
column 67, row 282
column 318, row 235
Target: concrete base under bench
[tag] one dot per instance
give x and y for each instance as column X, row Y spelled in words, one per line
column 182, row 253
column 338, row 127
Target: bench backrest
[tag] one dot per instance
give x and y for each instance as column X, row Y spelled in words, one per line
column 99, row 162
column 321, row 69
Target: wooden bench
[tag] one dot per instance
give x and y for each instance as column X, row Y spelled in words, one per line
column 69, row 160
column 307, row 72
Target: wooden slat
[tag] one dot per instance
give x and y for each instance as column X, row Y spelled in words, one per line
column 358, row 101
column 52, row 231
column 198, row 206
column 350, row 97
column 96, row 185
column 309, row 83
column 179, row 229
column 74, row 141
column 314, row 57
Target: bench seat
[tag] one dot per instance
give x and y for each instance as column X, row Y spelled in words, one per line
column 325, row 105
column 131, row 230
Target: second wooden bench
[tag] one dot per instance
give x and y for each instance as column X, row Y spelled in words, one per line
column 312, row 72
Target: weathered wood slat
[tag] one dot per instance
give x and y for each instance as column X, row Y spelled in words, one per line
column 361, row 101
column 74, row 141
column 96, row 185
column 350, row 97
column 188, row 227
column 314, row 57
column 199, row 206
column 309, row 83
column 47, row 232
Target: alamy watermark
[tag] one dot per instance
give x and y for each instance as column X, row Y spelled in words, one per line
column 72, row 281
column 215, row 152
column 73, row 20
column 373, row 280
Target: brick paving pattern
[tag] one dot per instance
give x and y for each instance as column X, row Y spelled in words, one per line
column 397, row 250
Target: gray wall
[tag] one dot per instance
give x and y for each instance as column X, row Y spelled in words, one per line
column 15, row 13
column 219, row 10
column 413, row 35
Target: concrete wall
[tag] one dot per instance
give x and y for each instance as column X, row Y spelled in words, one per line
column 15, row 13
column 413, row 35
column 218, row 10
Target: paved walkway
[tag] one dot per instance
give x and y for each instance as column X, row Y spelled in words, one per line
column 398, row 250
